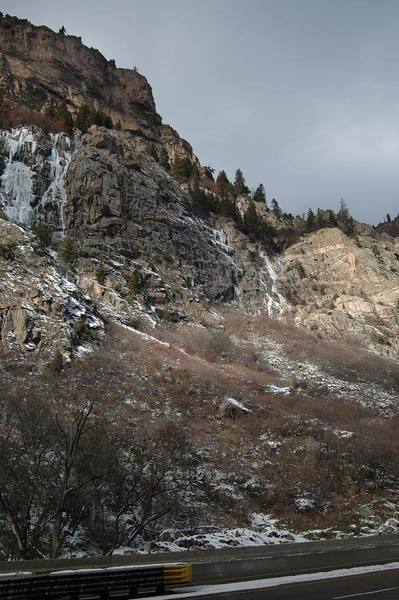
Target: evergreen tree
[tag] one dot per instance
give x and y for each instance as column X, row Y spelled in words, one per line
column 183, row 169
column 388, row 219
column 276, row 208
column 202, row 202
column 44, row 236
column 343, row 212
column 310, row 221
column 69, row 252
column 62, row 113
column 251, row 218
column 345, row 221
column 228, row 208
column 239, row 184
column 83, row 118
column 332, row 218
column 88, row 116
column 62, row 31
column 260, row 194
column 223, row 183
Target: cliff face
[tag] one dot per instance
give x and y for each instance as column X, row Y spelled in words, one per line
column 347, row 287
column 38, row 65
column 125, row 212
column 108, row 191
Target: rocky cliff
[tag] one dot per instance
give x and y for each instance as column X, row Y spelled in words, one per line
column 345, row 286
column 38, row 66
column 142, row 252
column 122, row 211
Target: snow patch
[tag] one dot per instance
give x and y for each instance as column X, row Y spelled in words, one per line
column 237, row 404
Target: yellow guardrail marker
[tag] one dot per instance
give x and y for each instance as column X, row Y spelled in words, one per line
column 177, row 573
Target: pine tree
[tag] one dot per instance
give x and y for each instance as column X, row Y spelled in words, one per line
column 183, row 169
column 44, row 236
column 88, row 116
column 332, row 218
column 260, row 194
column 345, row 221
column 343, row 212
column 251, row 218
column 62, row 31
column 239, row 184
column 83, row 118
column 69, row 252
column 202, row 202
column 223, row 183
column 388, row 219
column 276, row 208
column 62, row 114
column 310, row 221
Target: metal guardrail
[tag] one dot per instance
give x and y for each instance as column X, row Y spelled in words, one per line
column 175, row 574
column 101, row 583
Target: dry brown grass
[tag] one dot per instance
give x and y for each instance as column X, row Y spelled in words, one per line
column 186, row 380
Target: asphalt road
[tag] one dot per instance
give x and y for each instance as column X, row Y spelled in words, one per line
column 271, row 563
column 291, row 556
column 375, row 586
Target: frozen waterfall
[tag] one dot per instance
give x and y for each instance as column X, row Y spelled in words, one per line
column 23, row 165
column 16, row 191
column 274, row 300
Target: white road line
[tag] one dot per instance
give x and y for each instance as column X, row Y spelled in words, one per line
column 260, row 584
column 366, row 593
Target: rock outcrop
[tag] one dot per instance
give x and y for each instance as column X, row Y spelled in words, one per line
column 343, row 286
column 389, row 227
column 38, row 65
column 127, row 215
column 41, row 307
column 141, row 251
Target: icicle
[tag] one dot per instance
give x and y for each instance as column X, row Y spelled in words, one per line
column 16, row 190
column 274, row 300
column 59, row 162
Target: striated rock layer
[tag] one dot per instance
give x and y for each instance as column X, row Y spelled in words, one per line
column 345, row 286
column 38, row 65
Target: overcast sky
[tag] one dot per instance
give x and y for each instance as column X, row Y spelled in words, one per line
column 302, row 95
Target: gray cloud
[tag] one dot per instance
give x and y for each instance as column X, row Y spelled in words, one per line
column 302, row 94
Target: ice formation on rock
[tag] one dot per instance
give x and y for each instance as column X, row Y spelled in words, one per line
column 16, row 191
column 275, row 302
column 17, row 197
